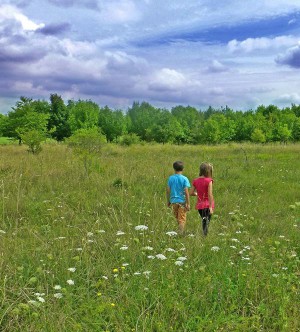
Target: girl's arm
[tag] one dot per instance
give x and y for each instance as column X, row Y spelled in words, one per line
column 210, row 197
column 193, row 191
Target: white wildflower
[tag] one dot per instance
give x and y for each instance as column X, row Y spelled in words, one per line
column 58, row 295
column 182, row 258
column 141, row 228
column 215, row 248
column 151, row 257
column 161, row 257
column 148, row 248
column 89, row 234
column 105, row 277
column 235, row 240
column 146, row 273
column 70, row 282
column 72, row 269
column 179, row 263
column 120, row 233
column 124, row 248
column 170, row 250
column 137, row 273
column 41, row 299
column 233, row 247
column 57, row 287
column 171, row 233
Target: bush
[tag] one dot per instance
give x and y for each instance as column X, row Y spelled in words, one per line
column 129, row 139
column 88, row 141
column 33, row 139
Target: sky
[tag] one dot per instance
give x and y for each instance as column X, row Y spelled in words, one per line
column 201, row 53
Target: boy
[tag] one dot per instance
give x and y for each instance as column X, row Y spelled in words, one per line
column 178, row 195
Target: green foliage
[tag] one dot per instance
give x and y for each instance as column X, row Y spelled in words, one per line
column 25, row 117
column 129, row 139
column 87, row 143
column 112, row 124
column 180, row 125
column 83, row 114
column 33, row 139
column 58, row 123
column 258, row 136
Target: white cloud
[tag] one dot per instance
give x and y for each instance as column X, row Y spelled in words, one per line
column 8, row 12
column 167, row 79
column 254, row 44
column 122, row 11
column 216, row 67
column 291, row 57
column 292, row 98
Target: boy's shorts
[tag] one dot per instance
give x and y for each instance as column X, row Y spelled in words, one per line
column 179, row 211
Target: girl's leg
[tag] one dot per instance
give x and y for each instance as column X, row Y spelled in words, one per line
column 205, row 215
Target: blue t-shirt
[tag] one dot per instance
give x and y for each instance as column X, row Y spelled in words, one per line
column 177, row 183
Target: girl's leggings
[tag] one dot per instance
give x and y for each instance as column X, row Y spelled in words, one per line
column 205, row 216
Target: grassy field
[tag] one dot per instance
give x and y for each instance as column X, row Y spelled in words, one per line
column 93, row 248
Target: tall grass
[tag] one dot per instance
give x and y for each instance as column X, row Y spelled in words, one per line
column 73, row 259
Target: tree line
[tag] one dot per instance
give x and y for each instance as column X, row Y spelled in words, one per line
column 144, row 122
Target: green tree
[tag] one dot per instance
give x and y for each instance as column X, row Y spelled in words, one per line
column 142, row 116
column 112, row 123
column 211, row 131
column 258, row 136
column 3, row 123
column 33, row 139
column 23, row 118
column 58, row 123
column 296, row 130
column 87, row 143
column 83, row 114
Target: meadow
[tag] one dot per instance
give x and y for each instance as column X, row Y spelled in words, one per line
column 93, row 246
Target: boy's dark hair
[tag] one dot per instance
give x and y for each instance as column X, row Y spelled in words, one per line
column 178, row 166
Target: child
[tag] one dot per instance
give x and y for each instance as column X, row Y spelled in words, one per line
column 202, row 187
column 178, row 195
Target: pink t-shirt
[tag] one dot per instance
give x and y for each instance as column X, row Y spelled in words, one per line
column 201, row 185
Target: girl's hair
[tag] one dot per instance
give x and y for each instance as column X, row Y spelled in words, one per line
column 206, row 170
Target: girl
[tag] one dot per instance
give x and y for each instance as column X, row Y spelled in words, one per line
column 202, row 187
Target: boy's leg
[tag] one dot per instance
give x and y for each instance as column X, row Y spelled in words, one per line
column 181, row 217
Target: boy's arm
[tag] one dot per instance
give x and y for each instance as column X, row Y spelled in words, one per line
column 168, row 196
column 187, row 198
column 210, row 197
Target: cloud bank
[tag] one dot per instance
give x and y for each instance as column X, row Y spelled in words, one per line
column 167, row 53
